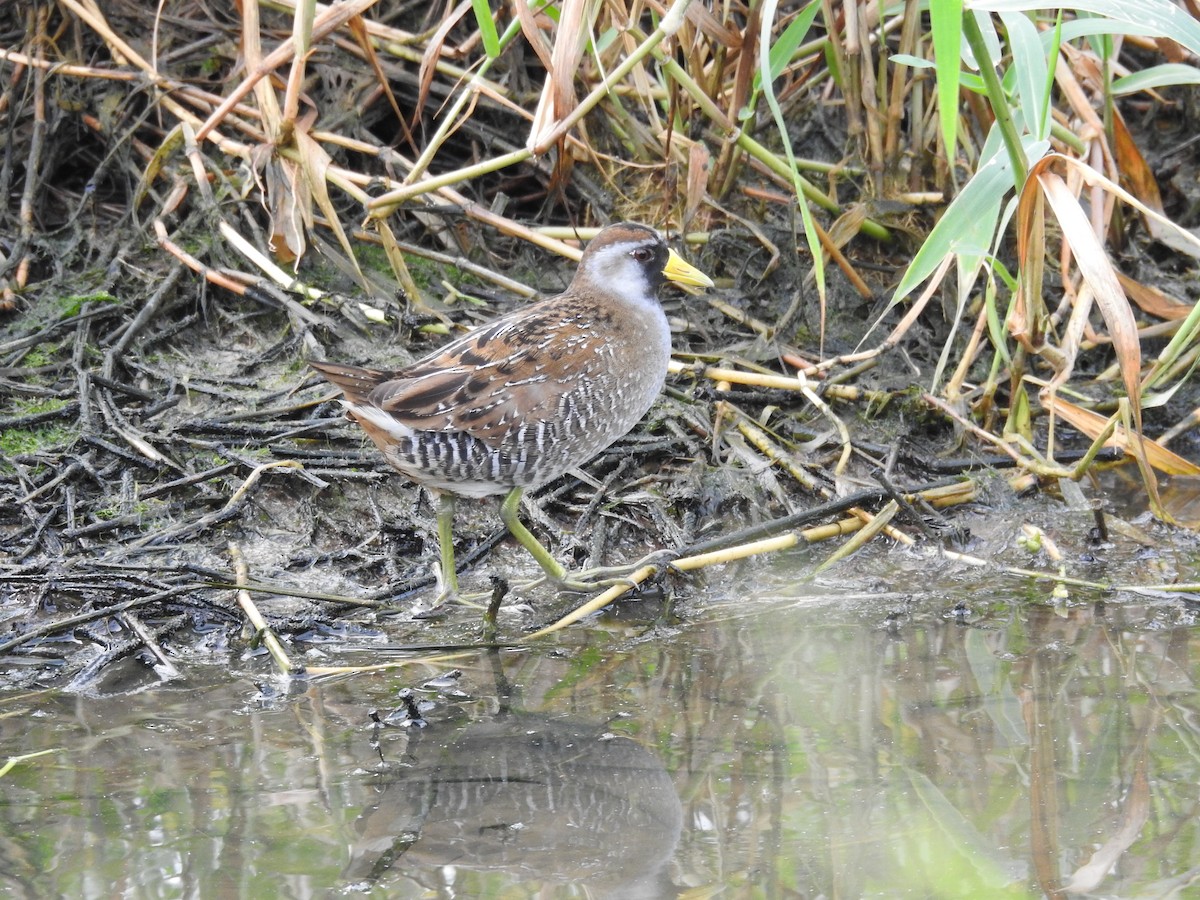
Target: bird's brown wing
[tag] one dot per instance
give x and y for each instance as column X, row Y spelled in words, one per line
column 493, row 379
column 356, row 383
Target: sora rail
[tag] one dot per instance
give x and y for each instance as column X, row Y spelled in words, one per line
column 515, row 403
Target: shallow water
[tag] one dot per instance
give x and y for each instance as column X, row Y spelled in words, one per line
column 970, row 736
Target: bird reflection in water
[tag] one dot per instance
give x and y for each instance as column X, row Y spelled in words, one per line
column 530, row 796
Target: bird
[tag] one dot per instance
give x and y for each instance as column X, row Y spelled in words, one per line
column 516, row 402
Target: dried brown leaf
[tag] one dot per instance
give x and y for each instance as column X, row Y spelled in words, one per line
column 358, row 29
column 1092, row 424
column 1098, row 273
column 433, row 52
column 1154, row 301
column 699, row 162
column 314, row 163
column 1027, row 319
column 1136, row 176
column 533, row 26
column 1181, row 498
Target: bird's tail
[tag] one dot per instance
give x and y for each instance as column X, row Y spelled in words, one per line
column 356, row 383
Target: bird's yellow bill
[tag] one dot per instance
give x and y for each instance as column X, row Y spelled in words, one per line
column 684, row 273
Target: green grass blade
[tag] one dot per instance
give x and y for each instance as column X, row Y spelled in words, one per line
column 1166, row 75
column 1029, row 66
column 810, row 232
column 974, row 214
column 1159, row 17
column 784, row 48
column 487, row 27
column 946, row 22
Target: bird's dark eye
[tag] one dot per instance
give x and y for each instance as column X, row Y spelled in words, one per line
column 643, row 254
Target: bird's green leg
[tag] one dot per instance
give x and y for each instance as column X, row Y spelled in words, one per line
column 584, row 581
column 510, row 514
column 445, row 527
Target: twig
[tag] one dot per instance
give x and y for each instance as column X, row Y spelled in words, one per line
column 748, row 542
column 263, row 631
column 165, row 669
column 90, row 616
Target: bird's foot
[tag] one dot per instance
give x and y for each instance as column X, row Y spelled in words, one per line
column 587, row 581
column 442, row 604
column 445, row 601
